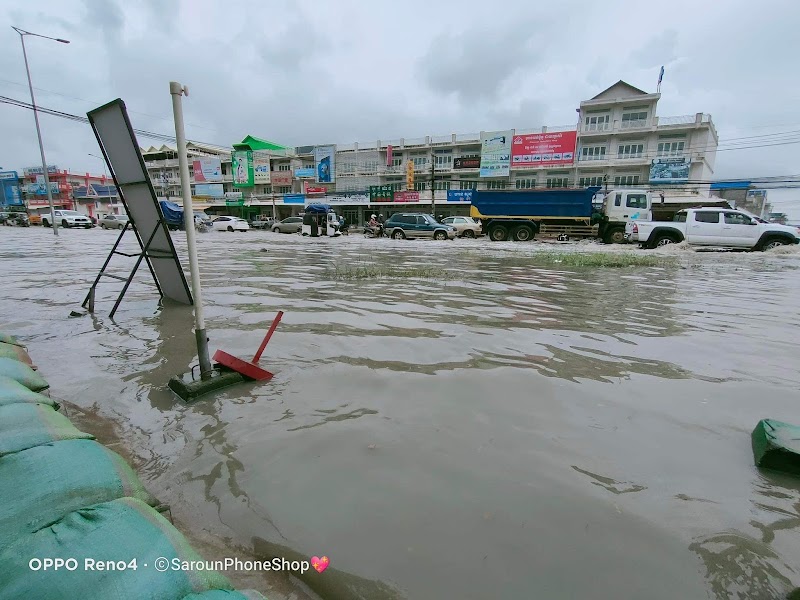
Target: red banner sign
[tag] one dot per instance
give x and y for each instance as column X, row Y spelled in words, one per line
column 389, row 155
column 406, row 196
column 281, row 177
column 310, row 189
column 543, row 149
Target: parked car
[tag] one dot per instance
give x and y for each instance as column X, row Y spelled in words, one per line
column 68, row 218
column 288, row 225
column 19, row 219
column 114, row 221
column 4, row 218
column 262, row 223
column 465, row 226
column 229, row 224
column 413, row 225
column 715, row 227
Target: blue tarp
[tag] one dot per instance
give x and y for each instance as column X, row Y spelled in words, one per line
column 318, row 209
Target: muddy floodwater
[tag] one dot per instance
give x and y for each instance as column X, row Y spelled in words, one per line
column 515, row 430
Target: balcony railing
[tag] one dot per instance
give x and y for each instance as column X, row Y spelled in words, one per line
column 631, row 155
column 597, row 127
column 635, row 124
column 680, row 120
column 468, row 137
column 441, row 140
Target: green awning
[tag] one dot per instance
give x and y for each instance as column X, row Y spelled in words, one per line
column 253, row 143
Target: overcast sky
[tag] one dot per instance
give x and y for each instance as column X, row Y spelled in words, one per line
column 355, row 70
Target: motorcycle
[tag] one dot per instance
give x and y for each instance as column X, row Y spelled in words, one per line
column 373, row 232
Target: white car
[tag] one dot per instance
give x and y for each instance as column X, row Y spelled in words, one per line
column 229, row 224
column 67, row 219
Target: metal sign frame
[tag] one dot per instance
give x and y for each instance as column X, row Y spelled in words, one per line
column 119, row 148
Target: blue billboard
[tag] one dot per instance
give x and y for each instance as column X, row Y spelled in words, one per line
column 459, row 195
column 9, row 189
column 306, row 172
column 294, row 199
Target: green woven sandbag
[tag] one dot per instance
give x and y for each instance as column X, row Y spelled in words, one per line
column 226, row 595
column 43, row 484
column 9, row 339
column 13, row 392
column 23, row 373
column 15, row 352
column 24, row 426
column 120, row 530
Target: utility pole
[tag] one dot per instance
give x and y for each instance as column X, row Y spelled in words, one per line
column 433, row 191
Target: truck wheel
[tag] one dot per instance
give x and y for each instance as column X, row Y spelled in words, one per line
column 615, row 236
column 45, row 223
column 523, row 233
column 662, row 240
column 498, row 233
column 771, row 243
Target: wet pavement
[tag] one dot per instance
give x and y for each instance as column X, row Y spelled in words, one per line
column 512, row 431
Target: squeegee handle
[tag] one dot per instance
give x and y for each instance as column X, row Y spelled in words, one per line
column 272, row 327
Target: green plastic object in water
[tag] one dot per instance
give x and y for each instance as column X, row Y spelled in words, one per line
column 22, row 373
column 13, row 392
column 776, row 446
column 24, row 426
column 43, row 484
column 9, row 339
column 120, row 532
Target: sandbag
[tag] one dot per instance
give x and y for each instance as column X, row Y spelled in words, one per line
column 121, row 530
column 13, row 392
column 10, row 339
column 226, row 595
column 24, row 426
column 23, row 373
column 15, row 352
column 43, row 484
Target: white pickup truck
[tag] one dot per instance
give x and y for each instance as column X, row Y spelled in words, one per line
column 717, row 227
column 68, row 218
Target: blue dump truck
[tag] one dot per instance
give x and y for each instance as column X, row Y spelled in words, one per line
column 582, row 212
column 173, row 216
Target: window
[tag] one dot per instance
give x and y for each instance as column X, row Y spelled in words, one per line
column 630, row 150
column 737, row 219
column 284, row 189
column 593, row 153
column 443, row 161
column 420, row 186
column 468, row 185
column 706, row 217
column 406, row 219
column 679, row 217
column 420, row 162
column 636, row 201
column 459, row 220
column 590, row 181
column 496, row 185
column 670, row 148
column 596, row 123
column 525, row 184
column 626, row 180
column 557, row 182
column 284, row 167
column 397, row 186
column 617, row 199
column 634, row 119
column 397, row 161
column 442, row 185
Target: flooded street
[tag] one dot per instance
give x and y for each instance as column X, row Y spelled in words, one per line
column 513, row 430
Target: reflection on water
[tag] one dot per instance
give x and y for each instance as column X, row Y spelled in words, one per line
column 453, row 438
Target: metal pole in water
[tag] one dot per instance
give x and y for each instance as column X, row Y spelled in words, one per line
column 177, row 90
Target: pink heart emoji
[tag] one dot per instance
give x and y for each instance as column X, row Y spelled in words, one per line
column 320, row 564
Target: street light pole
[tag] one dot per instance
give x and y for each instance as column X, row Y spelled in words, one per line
column 105, row 173
column 22, row 33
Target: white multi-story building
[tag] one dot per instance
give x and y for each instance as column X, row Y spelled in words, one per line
column 619, row 137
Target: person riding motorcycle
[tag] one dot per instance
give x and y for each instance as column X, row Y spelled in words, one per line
column 375, row 226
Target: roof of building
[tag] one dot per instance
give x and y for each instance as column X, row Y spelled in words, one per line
column 95, row 191
column 255, row 143
column 613, row 91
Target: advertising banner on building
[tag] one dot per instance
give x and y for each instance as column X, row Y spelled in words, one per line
column 495, row 153
column 242, row 168
column 28, row 171
column 389, row 155
column 669, row 170
column 544, row 149
column 207, row 170
column 9, row 190
column 467, row 163
column 325, row 159
column 305, row 172
column 410, row 174
column 294, row 199
column 406, row 196
column 381, row 193
column 213, row 190
column 311, row 189
column 8, row 175
column 40, row 187
column 234, row 195
column 281, row 178
column 459, row 195
column 261, row 170
column 348, row 197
